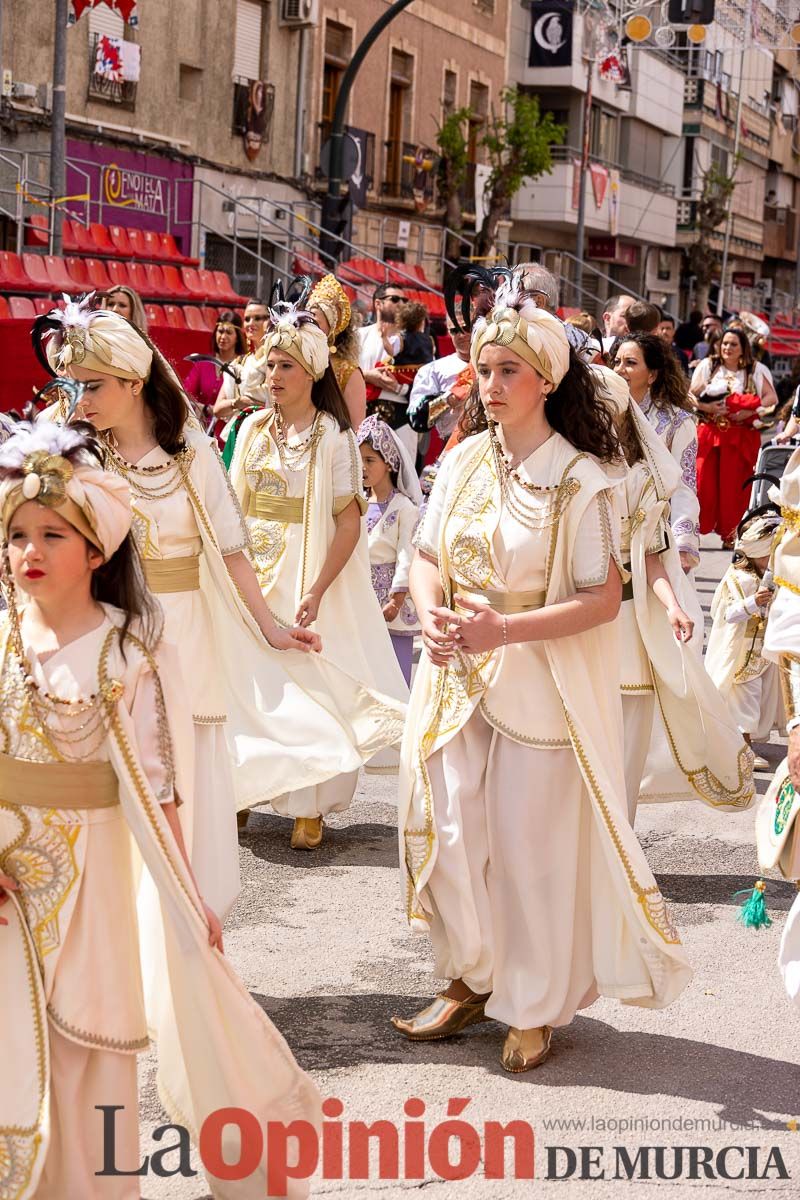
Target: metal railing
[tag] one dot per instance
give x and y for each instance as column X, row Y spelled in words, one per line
column 409, row 169
column 567, row 154
column 23, row 194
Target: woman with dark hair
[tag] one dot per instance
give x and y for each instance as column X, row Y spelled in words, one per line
column 257, row 728
column 731, row 392
column 202, row 383
column 658, row 385
column 518, row 852
column 96, row 737
column 297, row 472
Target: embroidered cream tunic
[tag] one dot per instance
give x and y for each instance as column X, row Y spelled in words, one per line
column 519, row 696
column 636, row 676
column 734, row 660
column 391, row 548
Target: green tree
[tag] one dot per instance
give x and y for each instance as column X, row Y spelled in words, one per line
column 711, row 211
column 517, row 141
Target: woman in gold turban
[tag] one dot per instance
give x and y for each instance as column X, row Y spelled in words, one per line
column 330, row 307
column 518, row 853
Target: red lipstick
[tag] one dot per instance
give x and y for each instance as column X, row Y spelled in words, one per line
column 34, row 574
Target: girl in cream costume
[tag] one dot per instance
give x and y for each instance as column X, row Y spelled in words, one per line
column 276, row 723
column 92, row 723
column 747, row 681
column 707, row 757
column 297, row 474
column 515, row 843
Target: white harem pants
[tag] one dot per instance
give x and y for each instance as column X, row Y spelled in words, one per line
column 511, row 883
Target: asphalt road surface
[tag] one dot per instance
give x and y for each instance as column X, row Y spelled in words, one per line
column 321, row 942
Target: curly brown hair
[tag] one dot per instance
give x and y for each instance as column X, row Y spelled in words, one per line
column 347, row 343
column 572, row 410
column 669, row 388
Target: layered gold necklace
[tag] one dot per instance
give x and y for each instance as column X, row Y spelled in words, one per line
column 546, row 505
column 293, row 458
column 156, row 482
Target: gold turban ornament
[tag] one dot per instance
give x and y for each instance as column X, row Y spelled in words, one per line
column 534, row 334
column 330, row 298
column 51, row 465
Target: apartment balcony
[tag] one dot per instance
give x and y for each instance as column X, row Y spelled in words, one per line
column 646, row 207
column 410, row 174
column 657, row 90
column 712, row 103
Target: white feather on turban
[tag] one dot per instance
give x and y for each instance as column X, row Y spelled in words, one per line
column 98, row 340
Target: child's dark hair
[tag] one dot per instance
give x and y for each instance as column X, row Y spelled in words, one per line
column 411, row 315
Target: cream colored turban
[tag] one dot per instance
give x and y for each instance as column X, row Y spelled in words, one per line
column 52, row 465
column 294, row 331
column 99, row 340
column 755, row 540
column 537, row 337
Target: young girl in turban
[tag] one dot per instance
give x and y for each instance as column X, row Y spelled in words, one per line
column 96, row 760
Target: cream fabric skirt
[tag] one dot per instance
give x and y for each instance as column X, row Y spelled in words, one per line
column 637, row 717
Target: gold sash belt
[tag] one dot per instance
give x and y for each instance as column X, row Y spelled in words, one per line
column 58, row 785
column 173, row 574
column 502, row 602
column 288, row 509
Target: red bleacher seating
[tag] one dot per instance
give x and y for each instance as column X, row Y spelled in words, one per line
column 98, row 275
column 309, row 264
column 195, row 318
column 36, row 269
column 21, row 307
column 4, row 313
column 78, row 273
column 153, row 245
column 121, row 241
column 12, row 273
column 210, row 315
column 78, row 238
column 59, row 275
column 37, row 230
column 157, row 285
column 211, row 288
column 117, row 273
column 42, row 305
column 171, row 253
column 102, row 239
column 174, row 316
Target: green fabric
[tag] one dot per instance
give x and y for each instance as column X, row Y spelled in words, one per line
column 230, row 445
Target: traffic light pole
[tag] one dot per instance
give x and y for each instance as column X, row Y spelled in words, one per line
column 330, row 243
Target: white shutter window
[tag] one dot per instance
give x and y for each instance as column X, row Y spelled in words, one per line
column 103, row 20
column 247, row 48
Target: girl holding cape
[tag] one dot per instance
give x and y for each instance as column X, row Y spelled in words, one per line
column 515, row 842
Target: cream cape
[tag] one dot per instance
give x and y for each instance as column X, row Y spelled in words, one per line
column 707, row 757
column 284, row 729
column 643, row 936
column 354, row 635
column 216, row 1047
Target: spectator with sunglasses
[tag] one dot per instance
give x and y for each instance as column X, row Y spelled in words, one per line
column 386, row 302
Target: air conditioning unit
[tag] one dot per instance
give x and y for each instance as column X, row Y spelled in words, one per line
column 295, row 13
column 23, row 91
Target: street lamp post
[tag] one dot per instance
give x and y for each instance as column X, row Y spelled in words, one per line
column 58, row 128
column 330, row 240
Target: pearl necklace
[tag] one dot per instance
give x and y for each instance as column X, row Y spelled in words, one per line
column 292, row 456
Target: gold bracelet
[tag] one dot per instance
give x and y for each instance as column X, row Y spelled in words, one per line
column 789, row 675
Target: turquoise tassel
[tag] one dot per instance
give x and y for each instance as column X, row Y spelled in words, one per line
column 753, row 912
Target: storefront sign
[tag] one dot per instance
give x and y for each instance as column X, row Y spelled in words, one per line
column 744, row 279
column 611, row 249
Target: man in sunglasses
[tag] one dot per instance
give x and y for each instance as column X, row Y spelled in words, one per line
column 710, row 324
column 441, row 387
column 386, row 301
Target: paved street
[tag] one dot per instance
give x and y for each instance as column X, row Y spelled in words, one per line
column 321, row 942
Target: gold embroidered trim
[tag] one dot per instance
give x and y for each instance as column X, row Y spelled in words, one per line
column 636, row 687
column 785, row 583
column 95, row 1039
column 219, row 719
column 523, row 739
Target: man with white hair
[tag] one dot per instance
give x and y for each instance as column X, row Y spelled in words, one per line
column 540, row 284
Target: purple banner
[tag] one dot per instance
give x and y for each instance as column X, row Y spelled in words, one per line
column 132, row 189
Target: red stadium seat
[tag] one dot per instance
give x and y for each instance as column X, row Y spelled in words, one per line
column 173, row 280
column 153, row 244
column 119, row 273
column 210, row 286
column 4, row 313
column 191, row 280
column 79, row 274
column 37, row 230
column 137, row 274
column 12, row 273
column 59, row 275
column 98, row 275
column 155, row 314
column 137, row 243
column 36, row 269
column 78, row 238
column 120, row 240
column 225, row 291
column 102, row 240
column 174, row 315
column 210, row 315
column 21, row 307
column 171, row 253
column 156, row 284
column 43, row 305
column 195, row 318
